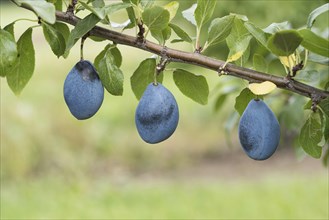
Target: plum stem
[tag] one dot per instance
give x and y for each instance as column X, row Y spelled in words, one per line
column 160, row 67
column 82, row 44
column 155, row 82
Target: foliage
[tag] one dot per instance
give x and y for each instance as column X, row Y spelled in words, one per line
column 302, row 51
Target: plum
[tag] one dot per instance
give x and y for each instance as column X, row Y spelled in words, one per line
column 259, row 131
column 157, row 114
column 83, row 90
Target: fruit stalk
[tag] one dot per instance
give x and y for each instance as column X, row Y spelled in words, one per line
column 82, row 44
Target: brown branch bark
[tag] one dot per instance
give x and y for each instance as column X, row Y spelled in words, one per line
column 200, row 60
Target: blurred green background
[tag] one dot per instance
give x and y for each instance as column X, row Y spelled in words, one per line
column 55, row 167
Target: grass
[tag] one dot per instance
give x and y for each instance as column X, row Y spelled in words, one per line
column 274, row 198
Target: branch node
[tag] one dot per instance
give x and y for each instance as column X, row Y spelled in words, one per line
column 163, row 61
column 163, row 52
column 289, row 82
column 71, row 7
column 316, row 99
column 222, row 70
column 198, row 50
column 296, row 68
column 140, row 34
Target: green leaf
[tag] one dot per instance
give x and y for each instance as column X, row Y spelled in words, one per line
column 315, row 13
column 110, row 9
column 193, row 86
column 63, row 29
column 162, row 35
column 238, row 42
column 238, row 49
column 181, row 33
column 220, row 102
column 314, row 43
column 257, row 33
column 188, row 14
column 99, row 12
column 311, row 135
column 172, row 7
column 238, row 31
column 58, row 4
column 147, row 3
column 45, row 10
column 156, row 18
column 8, row 51
column 143, row 76
column 98, row 3
column 243, row 99
column 219, row 29
column 308, row 105
column 81, row 28
column 204, row 11
column 115, row 53
column 284, row 43
column 177, row 41
column 318, row 59
column 97, row 39
column 324, row 104
column 10, row 28
column 260, row 63
column 246, row 55
column 104, row 11
column 275, row 27
column 22, row 70
column 135, row 2
column 307, row 76
column 54, row 38
column 240, row 17
column 109, row 73
column 117, row 56
column 325, row 128
column 131, row 15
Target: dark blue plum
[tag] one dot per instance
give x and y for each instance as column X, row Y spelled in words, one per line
column 83, row 90
column 259, row 131
column 157, row 114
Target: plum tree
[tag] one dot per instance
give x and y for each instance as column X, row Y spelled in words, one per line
column 157, row 114
column 302, row 52
column 259, row 130
column 83, row 90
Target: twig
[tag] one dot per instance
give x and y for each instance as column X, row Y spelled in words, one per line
column 199, row 60
column 71, row 7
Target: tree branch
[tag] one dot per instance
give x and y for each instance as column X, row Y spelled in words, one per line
column 200, row 60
